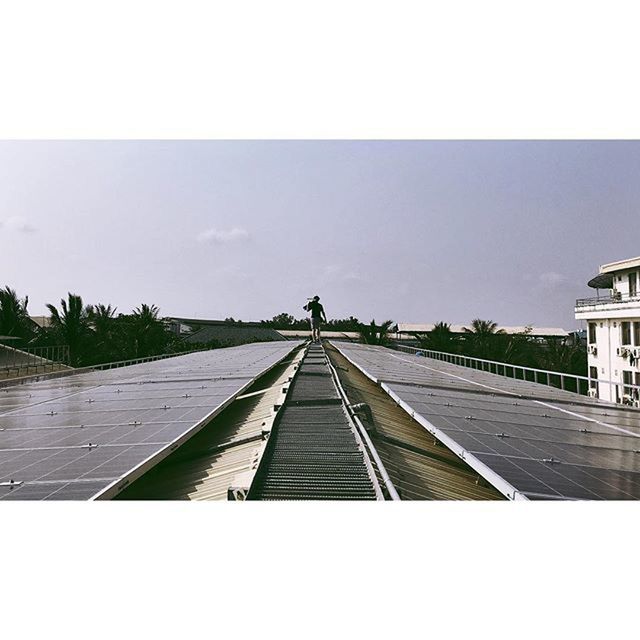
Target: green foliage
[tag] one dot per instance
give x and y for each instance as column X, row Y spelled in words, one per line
column 71, row 324
column 343, row 324
column 282, row 321
column 148, row 331
column 375, row 334
column 14, row 317
column 486, row 341
column 96, row 335
column 440, row 338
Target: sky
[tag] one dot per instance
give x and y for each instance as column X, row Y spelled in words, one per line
column 412, row 231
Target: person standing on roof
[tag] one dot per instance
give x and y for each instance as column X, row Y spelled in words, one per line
column 316, row 310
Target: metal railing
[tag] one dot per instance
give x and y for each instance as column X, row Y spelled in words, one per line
column 29, row 360
column 128, row 363
column 571, row 382
column 64, row 370
column 611, row 298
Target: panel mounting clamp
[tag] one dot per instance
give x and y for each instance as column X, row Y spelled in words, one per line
column 11, row 483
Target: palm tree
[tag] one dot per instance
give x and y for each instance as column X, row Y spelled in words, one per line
column 149, row 331
column 374, row 334
column 440, row 338
column 14, row 317
column 102, row 319
column 482, row 339
column 72, row 325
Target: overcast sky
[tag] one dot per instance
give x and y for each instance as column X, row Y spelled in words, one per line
column 409, row 231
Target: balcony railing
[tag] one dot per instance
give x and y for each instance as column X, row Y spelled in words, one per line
column 613, row 298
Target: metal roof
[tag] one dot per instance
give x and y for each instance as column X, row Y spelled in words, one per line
column 229, row 334
column 420, row 467
column 207, row 466
column 527, row 440
column 304, row 333
column 88, row 435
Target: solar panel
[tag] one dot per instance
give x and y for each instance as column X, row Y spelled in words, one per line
column 89, row 435
column 528, row 440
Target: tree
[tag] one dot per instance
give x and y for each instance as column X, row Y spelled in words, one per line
column 440, row 338
column 14, row 317
column 519, row 348
column 107, row 346
column 282, row 321
column 72, row 326
column 148, row 331
column 375, row 334
column 559, row 355
column 482, row 340
column 343, row 324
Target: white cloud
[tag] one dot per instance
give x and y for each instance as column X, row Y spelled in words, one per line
column 551, row 279
column 17, row 223
column 337, row 273
column 223, row 236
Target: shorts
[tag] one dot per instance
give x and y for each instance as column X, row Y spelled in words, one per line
column 315, row 323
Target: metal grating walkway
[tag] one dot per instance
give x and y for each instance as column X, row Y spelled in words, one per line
column 314, row 452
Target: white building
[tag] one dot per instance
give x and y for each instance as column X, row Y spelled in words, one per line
column 613, row 331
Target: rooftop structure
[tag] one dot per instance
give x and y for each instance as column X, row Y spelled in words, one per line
column 88, row 435
column 221, row 332
column 526, row 440
column 285, row 421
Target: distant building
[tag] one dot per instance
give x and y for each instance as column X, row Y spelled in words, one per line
column 41, row 321
column 407, row 330
column 613, row 331
column 222, row 332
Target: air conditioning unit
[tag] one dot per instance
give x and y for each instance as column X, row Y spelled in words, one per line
column 623, row 352
column 636, row 352
column 592, row 349
column 593, row 393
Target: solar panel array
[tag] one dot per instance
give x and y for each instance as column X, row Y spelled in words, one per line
column 88, row 435
column 527, row 439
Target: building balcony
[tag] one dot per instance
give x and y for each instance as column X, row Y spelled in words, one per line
column 610, row 302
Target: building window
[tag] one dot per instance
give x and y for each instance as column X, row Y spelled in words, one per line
column 593, row 374
column 627, row 379
column 636, row 334
column 633, row 284
column 592, row 332
column 625, row 330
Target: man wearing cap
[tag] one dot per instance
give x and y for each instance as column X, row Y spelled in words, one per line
column 317, row 316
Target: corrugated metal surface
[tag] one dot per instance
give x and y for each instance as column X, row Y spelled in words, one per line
column 228, row 335
column 108, row 427
column 528, row 440
column 420, row 467
column 206, row 466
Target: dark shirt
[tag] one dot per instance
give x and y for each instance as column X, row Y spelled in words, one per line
column 317, row 310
